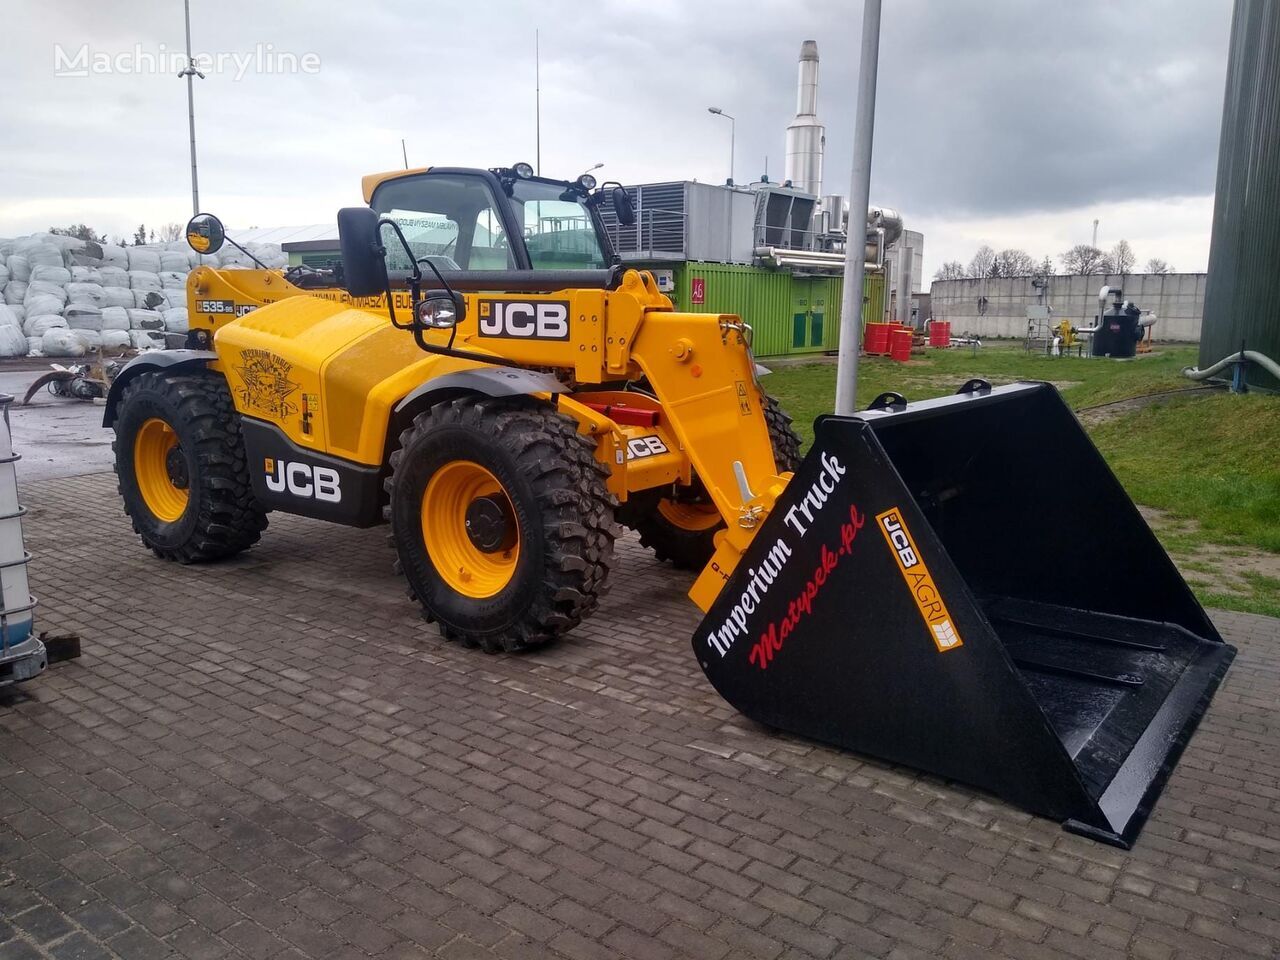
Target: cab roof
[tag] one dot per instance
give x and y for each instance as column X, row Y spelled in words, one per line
column 370, row 182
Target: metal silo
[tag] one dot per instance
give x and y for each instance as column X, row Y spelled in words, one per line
column 1242, row 293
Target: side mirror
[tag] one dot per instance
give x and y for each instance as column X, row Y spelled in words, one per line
column 441, row 310
column 622, row 206
column 205, row 233
column 364, row 258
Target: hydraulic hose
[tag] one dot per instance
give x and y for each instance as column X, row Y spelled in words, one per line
column 1261, row 359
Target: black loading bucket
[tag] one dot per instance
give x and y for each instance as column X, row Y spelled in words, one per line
column 963, row 586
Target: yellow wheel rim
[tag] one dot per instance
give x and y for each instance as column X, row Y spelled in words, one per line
column 161, row 474
column 448, row 502
column 689, row 516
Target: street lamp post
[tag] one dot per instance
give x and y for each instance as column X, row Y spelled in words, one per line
column 190, row 72
column 732, row 135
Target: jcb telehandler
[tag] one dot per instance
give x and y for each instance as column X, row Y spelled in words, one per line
column 901, row 592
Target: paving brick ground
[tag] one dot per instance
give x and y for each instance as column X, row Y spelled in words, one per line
column 274, row 757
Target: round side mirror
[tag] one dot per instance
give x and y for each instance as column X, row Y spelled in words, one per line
column 622, row 207
column 205, row 233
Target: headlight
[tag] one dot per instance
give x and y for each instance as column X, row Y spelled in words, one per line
column 587, row 182
column 523, row 170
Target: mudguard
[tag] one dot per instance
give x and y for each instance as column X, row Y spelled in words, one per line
column 963, row 586
column 156, row 360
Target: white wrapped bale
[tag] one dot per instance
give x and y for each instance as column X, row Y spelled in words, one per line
column 37, row 325
column 43, row 288
column 8, row 318
column 12, row 342
column 113, row 276
column 34, row 345
column 42, row 303
column 44, row 255
column 59, row 276
column 173, row 280
column 15, row 291
column 174, row 260
column 115, row 318
column 19, row 311
column 144, row 280
column 116, row 340
column 150, row 299
column 62, row 343
column 90, row 339
column 19, row 267
column 145, row 320
column 143, row 259
column 4, row 272
column 117, row 297
column 175, row 320
column 82, row 274
column 83, row 316
column 146, row 339
column 64, row 244
column 115, row 256
column 88, row 293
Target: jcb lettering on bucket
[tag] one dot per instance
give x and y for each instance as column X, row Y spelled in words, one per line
column 915, row 573
column 303, row 480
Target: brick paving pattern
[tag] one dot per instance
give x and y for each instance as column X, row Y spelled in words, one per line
column 274, row 758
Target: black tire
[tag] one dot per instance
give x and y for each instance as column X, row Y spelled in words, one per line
column 221, row 516
column 691, row 549
column 556, row 491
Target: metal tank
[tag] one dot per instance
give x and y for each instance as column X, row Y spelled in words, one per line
column 806, row 137
column 1242, row 292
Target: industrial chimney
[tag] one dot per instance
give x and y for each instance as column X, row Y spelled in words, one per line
column 806, row 137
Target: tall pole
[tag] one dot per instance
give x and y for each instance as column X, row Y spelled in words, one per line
column 733, row 139
column 404, row 153
column 537, row 106
column 859, row 200
column 191, row 73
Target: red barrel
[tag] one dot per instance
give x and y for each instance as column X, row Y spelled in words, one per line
column 940, row 333
column 876, row 338
column 900, row 344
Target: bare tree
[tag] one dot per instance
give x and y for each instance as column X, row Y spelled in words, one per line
column 1082, row 260
column 983, row 260
column 1046, row 268
column 1156, row 265
column 1122, row 258
column 170, row 232
column 1013, row 262
column 951, row 270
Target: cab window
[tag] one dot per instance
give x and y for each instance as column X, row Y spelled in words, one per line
column 448, row 217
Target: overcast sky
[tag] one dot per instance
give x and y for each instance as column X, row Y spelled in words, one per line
column 1010, row 122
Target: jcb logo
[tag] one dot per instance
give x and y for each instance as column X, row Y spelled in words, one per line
column 915, row 573
column 303, row 480
column 531, row 320
column 641, row 447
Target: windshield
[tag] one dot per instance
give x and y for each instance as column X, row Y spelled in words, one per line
column 558, row 228
column 450, row 218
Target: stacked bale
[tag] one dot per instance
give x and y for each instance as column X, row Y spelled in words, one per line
column 61, row 297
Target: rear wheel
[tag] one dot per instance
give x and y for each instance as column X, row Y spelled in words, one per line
column 501, row 520
column 679, row 524
column 181, row 469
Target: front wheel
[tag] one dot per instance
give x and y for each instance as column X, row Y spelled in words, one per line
column 501, row 520
column 181, row 469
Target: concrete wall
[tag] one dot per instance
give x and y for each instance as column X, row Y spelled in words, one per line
column 1176, row 298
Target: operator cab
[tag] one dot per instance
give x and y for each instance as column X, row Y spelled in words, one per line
column 504, row 219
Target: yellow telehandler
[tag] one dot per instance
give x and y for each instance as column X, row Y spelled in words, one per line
column 482, row 371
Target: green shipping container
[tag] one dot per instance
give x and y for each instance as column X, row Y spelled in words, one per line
column 789, row 314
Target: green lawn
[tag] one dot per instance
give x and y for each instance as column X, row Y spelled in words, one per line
column 1211, row 463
